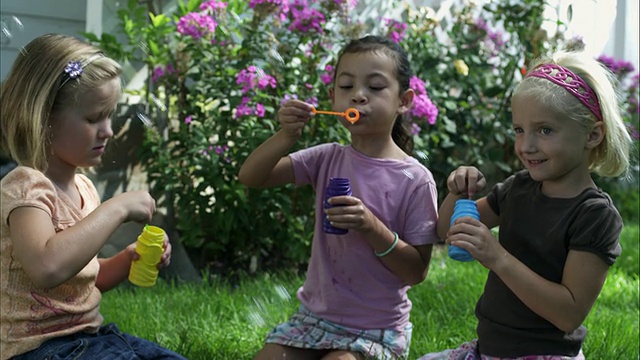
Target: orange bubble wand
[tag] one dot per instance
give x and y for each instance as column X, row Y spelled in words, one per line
column 352, row 114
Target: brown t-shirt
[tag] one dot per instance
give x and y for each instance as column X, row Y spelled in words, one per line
column 30, row 315
column 540, row 231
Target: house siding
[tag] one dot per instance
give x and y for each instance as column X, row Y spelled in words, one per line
column 37, row 17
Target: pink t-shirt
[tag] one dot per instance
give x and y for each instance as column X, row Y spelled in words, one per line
column 346, row 283
column 30, row 315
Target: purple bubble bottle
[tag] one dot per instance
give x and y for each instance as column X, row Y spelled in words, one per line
column 336, row 187
column 463, row 207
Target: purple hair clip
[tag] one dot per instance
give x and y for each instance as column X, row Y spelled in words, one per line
column 571, row 82
column 74, row 68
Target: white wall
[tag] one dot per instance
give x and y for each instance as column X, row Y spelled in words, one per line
column 623, row 40
column 38, row 17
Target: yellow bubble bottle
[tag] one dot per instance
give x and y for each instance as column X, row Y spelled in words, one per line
column 144, row 271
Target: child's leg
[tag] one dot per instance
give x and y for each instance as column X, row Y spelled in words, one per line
column 107, row 343
column 275, row 351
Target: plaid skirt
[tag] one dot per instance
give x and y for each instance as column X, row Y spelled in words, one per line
column 305, row 330
column 469, row 351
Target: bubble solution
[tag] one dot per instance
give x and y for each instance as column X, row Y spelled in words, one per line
column 463, row 207
column 144, row 271
column 337, row 187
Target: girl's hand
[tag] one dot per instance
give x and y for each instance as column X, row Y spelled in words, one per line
column 473, row 236
column 138, row 205
column 350, row 213
column 293, row 116
column 466, row 180
column 165, row 260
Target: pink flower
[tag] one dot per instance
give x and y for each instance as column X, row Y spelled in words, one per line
column 423, row 107
column 396, row 30
column 158, row 72
column 305, row 19
column 252, row 78
column 327, row 78
column 245, row 109
column 197, row 25
column 188, row 119
column 213, row 6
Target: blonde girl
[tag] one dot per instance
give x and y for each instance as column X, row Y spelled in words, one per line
column 558, row 231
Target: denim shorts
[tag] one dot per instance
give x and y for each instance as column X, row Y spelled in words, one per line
column 108, row 344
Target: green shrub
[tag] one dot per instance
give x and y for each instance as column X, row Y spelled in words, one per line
column 217, row 75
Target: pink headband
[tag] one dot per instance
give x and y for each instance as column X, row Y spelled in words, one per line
column 571, row 82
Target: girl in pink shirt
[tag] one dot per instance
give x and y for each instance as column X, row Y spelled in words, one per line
column 57, row 103
column 354, row 302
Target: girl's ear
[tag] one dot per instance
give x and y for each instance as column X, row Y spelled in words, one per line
column 331, row 95
column 406, row 100
column 595, row 136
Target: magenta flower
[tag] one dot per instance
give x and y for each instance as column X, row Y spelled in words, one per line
column 188, row 119
column 254, row 78
column 221, row 149
column 327, row 77
column 259, row 110
column 423, row 107
column 213, row 5
column 305, row 18
column 158, row 72
column 349, row 3
column 197, row 25
column 396, row 30
column 312, row 100
column 246, row 109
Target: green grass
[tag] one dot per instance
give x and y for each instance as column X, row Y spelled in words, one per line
column 220, row 321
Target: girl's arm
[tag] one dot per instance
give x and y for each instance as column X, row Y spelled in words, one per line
column 268, row 165
column 408, row 262
column 565, row 305
column 444, row 214
column 115, row 269
column 51, row 258
column 464, row 183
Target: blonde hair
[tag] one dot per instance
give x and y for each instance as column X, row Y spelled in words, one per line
column 37, row 86
column 611, row 156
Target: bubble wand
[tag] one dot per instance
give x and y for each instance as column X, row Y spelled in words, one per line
column 352, row 114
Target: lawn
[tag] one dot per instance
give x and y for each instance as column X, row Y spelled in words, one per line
column 220, row 321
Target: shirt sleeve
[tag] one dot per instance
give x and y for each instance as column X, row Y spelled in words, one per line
column 422, row 216
column 306, row 163
column 26, row 187
column 597, row 230
column 498, row 193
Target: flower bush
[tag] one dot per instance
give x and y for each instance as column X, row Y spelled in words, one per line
column 219, row 71
column 624, row 191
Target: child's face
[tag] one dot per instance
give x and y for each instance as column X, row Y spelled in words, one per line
column 555, row 150
column 79, row 133
column 367, row 81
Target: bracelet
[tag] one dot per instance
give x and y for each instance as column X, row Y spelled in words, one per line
column 390, row 249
